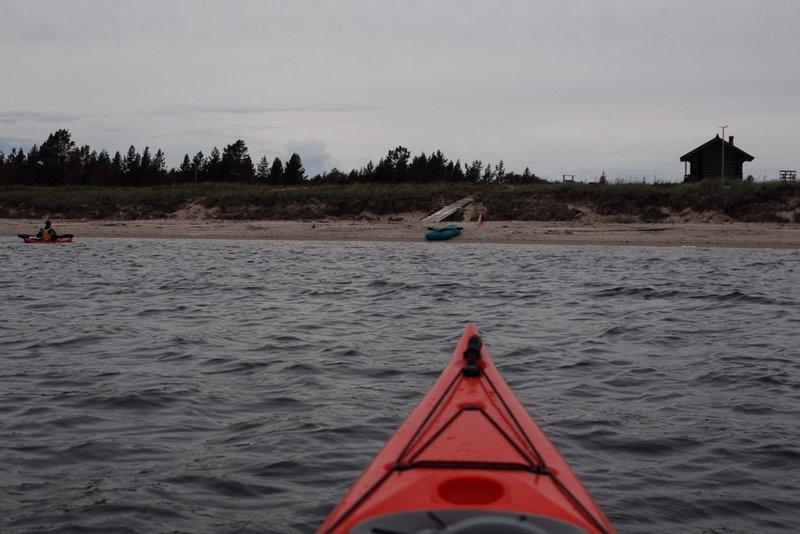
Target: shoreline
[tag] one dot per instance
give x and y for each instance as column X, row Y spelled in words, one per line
column 409, row 228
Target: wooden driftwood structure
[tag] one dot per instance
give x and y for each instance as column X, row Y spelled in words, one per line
column 448, row 210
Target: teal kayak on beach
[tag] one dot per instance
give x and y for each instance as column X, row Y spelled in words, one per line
column 445, row 232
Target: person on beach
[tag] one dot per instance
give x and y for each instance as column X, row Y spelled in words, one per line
column 47, row 232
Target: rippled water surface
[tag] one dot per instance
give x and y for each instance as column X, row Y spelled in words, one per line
column 241, row 386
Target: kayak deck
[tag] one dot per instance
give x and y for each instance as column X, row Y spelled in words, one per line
column 469, row 454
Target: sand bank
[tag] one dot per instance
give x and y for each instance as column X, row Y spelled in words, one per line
column 409, row 228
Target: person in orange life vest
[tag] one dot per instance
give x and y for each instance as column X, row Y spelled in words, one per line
column 47, row 233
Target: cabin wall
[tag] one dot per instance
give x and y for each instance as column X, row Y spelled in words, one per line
column 708, row 164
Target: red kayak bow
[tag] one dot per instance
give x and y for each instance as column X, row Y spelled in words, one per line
column 468, row 460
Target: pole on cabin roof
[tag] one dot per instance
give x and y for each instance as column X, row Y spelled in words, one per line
column 722, row 171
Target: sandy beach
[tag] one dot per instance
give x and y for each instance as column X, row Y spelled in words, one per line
column 408, row 227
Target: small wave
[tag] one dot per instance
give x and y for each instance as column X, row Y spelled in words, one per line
column 645, row 293
column 146, row 400
column 738, row 297
column 223, row 487
column 660, row 446
column 775, row 456
column 236, row 366
column 109, row 451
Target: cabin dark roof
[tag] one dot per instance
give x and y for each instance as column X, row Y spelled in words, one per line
column 728, row 146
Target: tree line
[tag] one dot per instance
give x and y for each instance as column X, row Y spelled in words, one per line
column 59, row 161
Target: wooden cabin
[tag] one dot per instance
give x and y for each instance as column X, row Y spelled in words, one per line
column 706, row 160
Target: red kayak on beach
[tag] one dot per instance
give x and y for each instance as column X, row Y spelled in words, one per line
column 468, row 460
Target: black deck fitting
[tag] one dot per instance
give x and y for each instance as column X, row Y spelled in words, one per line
column 472, row 354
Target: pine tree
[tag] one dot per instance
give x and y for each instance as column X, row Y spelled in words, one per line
column 145, row 168
column 236, row 162
column 500, row 171
column 213, row 165
column 276, row 172
column 55, row 157
column 186, row 165
column 116, row 168
column 262, row 170
column 294, row 172
column 488, row 173
column 131, row 167
column 103, row 172
column 473, row 173
column 160, row 162
column 186, row 170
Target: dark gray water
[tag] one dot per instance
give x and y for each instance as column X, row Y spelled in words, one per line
column 241, row 386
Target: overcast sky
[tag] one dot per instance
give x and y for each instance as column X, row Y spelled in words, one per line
column 561, row 86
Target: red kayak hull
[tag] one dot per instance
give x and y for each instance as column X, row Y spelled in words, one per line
column 41, row 241
column 469, row 446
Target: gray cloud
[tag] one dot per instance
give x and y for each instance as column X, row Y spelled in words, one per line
column 259, row 110
column 557, row 85
column 15, row 117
